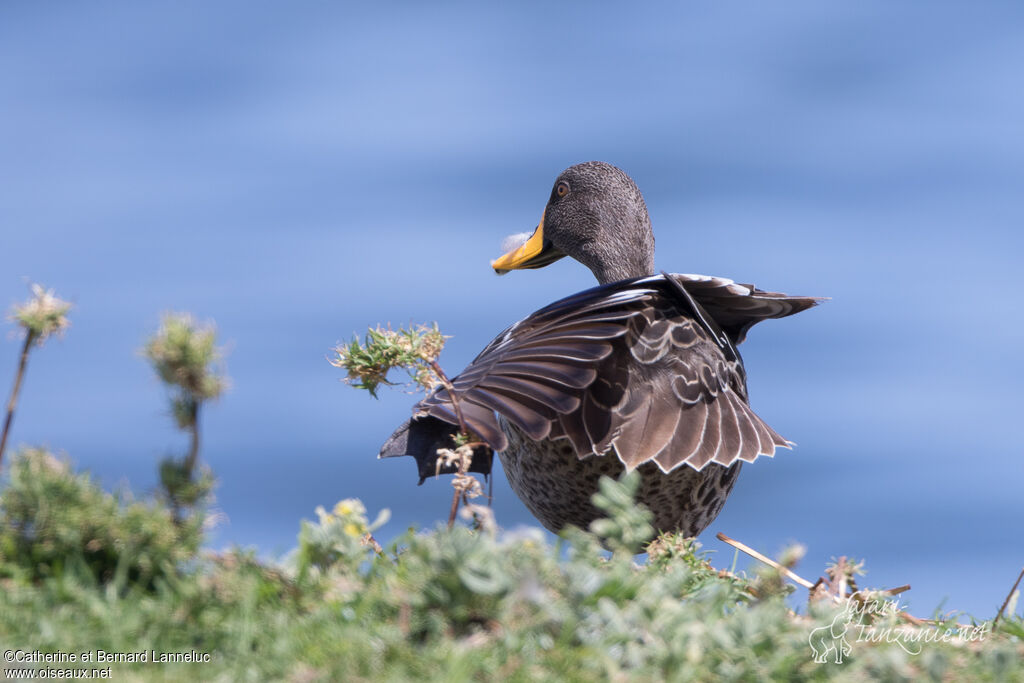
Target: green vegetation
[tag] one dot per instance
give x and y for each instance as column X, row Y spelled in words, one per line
column 450, row 604
column 86, row 571
column 415, row 349
column 185, row 356
column 56, row 522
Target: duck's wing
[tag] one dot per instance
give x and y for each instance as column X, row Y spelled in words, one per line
column 542, row 366
column 639, row 365
column 737, row 307
column 422, row 438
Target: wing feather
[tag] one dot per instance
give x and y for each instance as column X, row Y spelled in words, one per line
column 550, row 396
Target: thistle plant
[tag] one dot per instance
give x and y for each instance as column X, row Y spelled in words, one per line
column 415, row 350
column 185, row 356
column 40, row 317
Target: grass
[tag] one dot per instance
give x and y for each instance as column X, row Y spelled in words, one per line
column 448, row 604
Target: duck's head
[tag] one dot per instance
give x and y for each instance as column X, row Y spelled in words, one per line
column 597, row 216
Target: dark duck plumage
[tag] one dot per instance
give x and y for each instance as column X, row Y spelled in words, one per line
column 639, row 373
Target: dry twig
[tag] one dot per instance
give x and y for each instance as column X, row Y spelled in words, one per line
column 1008, row 596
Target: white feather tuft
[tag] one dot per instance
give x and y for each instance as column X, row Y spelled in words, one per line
column 515, row 241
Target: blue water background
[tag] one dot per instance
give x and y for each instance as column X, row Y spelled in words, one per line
column 300, row 171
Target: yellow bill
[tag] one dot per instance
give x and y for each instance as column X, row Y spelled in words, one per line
column 537, row 252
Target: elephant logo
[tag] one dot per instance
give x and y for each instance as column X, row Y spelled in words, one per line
column 826, row 639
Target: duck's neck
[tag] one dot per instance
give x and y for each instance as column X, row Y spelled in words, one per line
column 621, row 270
column 623, row 253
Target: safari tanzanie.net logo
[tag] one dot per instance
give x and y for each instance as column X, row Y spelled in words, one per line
column 868, row 619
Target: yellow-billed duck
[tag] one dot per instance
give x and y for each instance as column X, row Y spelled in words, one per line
column 641, row 372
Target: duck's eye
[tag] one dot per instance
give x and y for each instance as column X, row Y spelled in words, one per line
column 562, row 189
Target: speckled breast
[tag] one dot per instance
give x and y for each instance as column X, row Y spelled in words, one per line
column 556, row 485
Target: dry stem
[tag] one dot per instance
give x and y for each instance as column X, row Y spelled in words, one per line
column 767, row 560
column 464, row 464
column 839, row 599
column 369, row 541
column 13, row 402
column 1008, row 596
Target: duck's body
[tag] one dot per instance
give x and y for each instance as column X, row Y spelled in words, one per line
column 639, row 373
column 557, row 486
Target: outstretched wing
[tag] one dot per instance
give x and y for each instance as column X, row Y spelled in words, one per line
column 542, row 366
column 738, row 307
column 641, row 366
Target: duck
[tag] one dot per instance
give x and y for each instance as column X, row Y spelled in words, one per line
column 641, row 373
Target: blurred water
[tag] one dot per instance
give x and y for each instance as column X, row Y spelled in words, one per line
column 299, row 173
